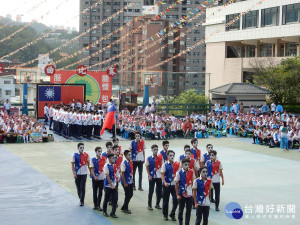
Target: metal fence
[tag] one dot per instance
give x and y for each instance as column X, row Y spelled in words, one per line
column 182, row 109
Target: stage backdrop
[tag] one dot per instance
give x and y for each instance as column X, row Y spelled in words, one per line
column 98, row 84
column 57, row 93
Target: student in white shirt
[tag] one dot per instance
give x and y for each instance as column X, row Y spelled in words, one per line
column 46, row 113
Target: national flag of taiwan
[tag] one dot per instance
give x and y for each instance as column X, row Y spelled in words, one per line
column 109, row 118
column 56, row 94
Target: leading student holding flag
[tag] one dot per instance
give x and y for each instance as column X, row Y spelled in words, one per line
column 110, row 118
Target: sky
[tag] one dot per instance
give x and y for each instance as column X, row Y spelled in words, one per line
column 63, row 16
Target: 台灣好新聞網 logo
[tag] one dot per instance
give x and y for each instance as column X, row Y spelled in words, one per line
column 233, row 211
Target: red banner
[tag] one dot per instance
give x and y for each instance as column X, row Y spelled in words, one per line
column 98, row 84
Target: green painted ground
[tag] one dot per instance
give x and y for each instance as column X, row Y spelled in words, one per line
column 250, row 176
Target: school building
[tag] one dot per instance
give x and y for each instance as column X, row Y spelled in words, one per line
column 267, row 33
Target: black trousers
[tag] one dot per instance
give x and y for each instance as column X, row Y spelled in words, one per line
column 51, row 121
column 202, row 211
column 78, row 130
column 217, row 194
column 139, row 165
column 80, row 185
column 46, row 118
column 188, row 203
column 166, row 196
column 158, row 183
column 59, row 127
column 89, row 130
column 110, row 192
column 97, row 191
column 128, row 195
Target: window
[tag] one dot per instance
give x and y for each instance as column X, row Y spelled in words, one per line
column 7, row 92
column 290, row 50
column 270, row 17
column 266, row 50
column 290, row 13
column 250, row 51
column 235, row 25
column 234, row 52
column 7, row 82
column 195, row 60
column 250, row 19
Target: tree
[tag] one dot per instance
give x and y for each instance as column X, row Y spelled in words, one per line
column 283, row 79
column 185, row 99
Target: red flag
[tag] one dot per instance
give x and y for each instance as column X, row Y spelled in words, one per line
column 109, row 118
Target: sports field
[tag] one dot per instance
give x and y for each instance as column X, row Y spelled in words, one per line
column 37, row 186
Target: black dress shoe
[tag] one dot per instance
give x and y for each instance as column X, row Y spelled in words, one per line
column 105, row 214
column 127, row 211
column 166, row 218
column 173, row 217
column 113, row 216
column 212, row 201
column 157, row 207
column 100, row 209
column 95, row 208
column 81, row 204
column 217, row 209
column 141, row 189
column 149, row 208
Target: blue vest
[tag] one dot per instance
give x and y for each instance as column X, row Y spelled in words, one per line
column 209, row 166
column 96, row 167
column 182, row 182
column 77, row 157
column 164, row 155
column 200, row 193
column 111, row 174
column 104, row 154
column 206, row 157
column 194, row 152
column 181, row 157
column 127, row 173
column 152, row 166
column 134, row 146
column 169, row 173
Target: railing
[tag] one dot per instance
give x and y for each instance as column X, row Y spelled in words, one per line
column 182, row 109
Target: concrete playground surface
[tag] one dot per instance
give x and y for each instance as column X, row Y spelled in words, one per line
column 37, row 186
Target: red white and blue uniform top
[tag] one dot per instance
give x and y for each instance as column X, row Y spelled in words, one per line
column 169, row 171
column 111, row 171
column 81, row 163
column 127, row 168
column 185, row 182
column 197, row 154
column 137, row 149
column 98, row 165
column 164, row 155
column 154, row 164
column 213, row 170
column 193, row 163
column 202, row 191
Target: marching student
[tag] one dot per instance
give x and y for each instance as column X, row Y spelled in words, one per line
column 164, row 151
column 80, row 162
column 183, row 186
column 97, row 175
column 51, row 116
column 153, row 165
column 193, row 165
column 97, row 124
column 109, row 149
column 201, row 188
column 127, row 180
column 110, row 183
column 119, row 159
column 137, row 148
column 206, row 155
column 168, row 171
column 215, row 171
column 196, row 152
